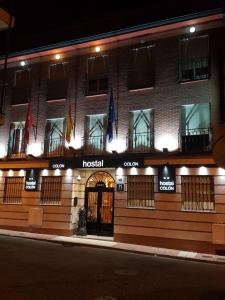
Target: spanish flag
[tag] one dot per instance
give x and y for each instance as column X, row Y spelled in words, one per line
column 28, row 124
column 69, row 125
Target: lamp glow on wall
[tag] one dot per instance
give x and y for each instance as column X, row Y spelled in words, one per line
column 117, row 145
column 2, row 151
column 34, row 149
column 166, row 141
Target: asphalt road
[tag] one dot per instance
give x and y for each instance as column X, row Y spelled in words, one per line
column 34, row 270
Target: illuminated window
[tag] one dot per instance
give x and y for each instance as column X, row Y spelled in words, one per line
column 95, row 137
column 194, row 58
column 54, row 137
column 141, row 138
column 16, row 144
column 97, row 75
column 140, row 191
column 197, row 193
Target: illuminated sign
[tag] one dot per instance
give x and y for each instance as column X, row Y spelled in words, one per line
column 167, row 179
column 93, row 163
column 31, row 182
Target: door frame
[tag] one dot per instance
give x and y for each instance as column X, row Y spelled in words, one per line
column 99, row 190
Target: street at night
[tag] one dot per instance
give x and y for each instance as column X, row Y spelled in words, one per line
column 41, row 270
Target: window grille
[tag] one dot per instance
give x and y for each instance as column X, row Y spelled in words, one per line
column 140, row 191
column 194, row 58
column 97, row 75
column 21, row 91
column 141, row 70
column 197, row 193
column 13, row 190
column 57, row 81
column 51, row 188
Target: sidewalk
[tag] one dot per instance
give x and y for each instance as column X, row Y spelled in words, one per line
column 108, row 243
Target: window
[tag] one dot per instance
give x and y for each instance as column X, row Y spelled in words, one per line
column 197, row 193
column 51, row 189
column 195, row 130
column 16, row 145
column 13, row 190
column 141, row 138
column 95, row 136
column 140, row 191
column 21, row 91
column 141, row 67
column 54, row 137
column 97, row 73
column 194, row 58
column 57, row 81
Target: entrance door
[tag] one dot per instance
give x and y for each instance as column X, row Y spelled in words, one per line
column 99, row 207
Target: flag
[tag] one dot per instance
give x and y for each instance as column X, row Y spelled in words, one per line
column 69, row 125
column 111, row 118
column 28, row 124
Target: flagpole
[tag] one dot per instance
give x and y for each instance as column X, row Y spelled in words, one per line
column 117, row 89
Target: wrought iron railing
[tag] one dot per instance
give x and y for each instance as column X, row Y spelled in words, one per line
column 16, row 149
column 195, row 140
column 140, row 142
column 94, row 145
column 54, row 147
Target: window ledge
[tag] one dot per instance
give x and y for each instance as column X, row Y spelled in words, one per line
column 56, row 100
column 137, row 207
column 141, row 89
column 199, row 211
column 19, row 104
column 96, row 95
column 192, row 81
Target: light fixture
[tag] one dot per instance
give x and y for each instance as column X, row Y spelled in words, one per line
column 78, row 178
column 23, row 63
column 57, row 56
column 97, row 49
column 192, row 29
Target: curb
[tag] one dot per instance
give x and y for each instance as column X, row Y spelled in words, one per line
column 181, row 255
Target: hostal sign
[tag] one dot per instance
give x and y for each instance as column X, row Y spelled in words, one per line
column 31, row 182
column 167, row 179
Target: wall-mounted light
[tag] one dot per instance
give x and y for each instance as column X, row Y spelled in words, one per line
column 203, row 171
column 192, row 29
column 78, row 178
column 97, row 49
column 45, row 172
column 57, row 172
column 10, row 173
column 21, row 173
column 23, row 63
column 57, row 56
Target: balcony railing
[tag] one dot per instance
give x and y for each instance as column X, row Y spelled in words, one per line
column 54, row 147
column 194, row 69
column 16, row 149
column 94, row 145
column 140, row 142
column 195, row 140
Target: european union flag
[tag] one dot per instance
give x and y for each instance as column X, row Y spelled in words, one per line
column 111, row 118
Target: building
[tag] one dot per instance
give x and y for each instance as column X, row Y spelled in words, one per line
column 157, row 182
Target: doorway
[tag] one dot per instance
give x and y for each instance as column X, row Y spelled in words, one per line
column 99, row 204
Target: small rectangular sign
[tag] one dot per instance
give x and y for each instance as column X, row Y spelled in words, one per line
column 120, row 187
column 167, row 179
column 31, row 181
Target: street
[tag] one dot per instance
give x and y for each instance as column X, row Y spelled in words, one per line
column 36, row 270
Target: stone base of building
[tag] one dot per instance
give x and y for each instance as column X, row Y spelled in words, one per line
column 186, row 245
column 64, row 232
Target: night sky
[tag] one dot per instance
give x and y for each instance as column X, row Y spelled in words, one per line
column 43, row 22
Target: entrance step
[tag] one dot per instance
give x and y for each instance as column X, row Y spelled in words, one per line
column 96, row 237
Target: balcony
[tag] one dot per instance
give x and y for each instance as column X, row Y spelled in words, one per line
column 54, row 147
column 16, row 149
column 140, row 142
column 94, row 145
column 195, row 140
